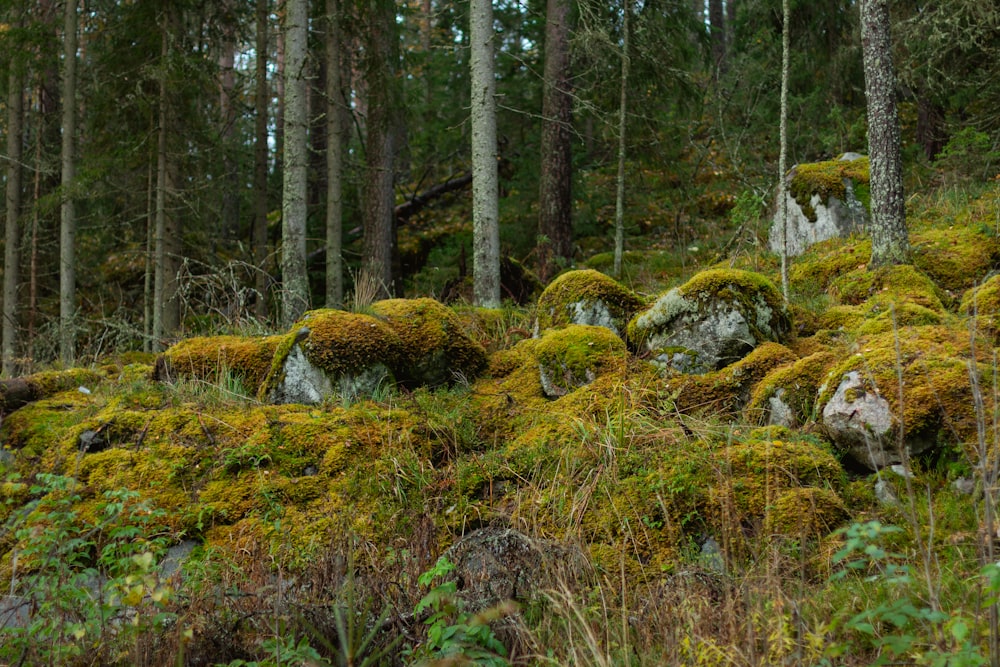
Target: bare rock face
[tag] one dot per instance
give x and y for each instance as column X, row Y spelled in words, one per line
column 825, row 200
column 494, row 565
column 859, row 421
column 713, row 320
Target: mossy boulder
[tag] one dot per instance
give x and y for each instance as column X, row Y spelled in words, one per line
column 435, row 348
column 711, row 321
column 210, row 358
column 332, row 352
column 824, row 200
column 18, row 392
column 786, row 396
column 888, row 285
column 982, row 303
column 574, row 356
column 911, row 386
column 956, row 257
column 586, row 297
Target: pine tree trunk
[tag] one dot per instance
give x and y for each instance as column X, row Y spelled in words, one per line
column 295, row 283
column 485, row 191
column 622, row 126
column 334, row 161
column 890, row 244
column 378, row 219
column 555, row 214
column 717, row 22
column 227, row 122
column 67, row 227
column 160, row 232
column 12, row 232
column 261, row 99
column 786, row 14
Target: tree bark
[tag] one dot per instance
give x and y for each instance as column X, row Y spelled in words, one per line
column 622, row 126
column 227, row 125
column 261, row 99
column 12, row 227
column 295, row 283
column 786, row 14
column 555, row 221
column 335, row 132
column 67, row 226
column 485, row 190
column 890, row 244
column 378, row 219
column 717, row 23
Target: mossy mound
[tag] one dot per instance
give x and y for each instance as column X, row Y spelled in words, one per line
column 806, row 513
column 332, row 352
column 212, row 358
column 812, row 272
column 936, row 409
column 786, row 396
column 435, row 347
column 713, row 320
column 982, row 303
column 575, row 356
column 956, row 257
column 586, row 297
column 888, row 285
column 826, row 180
column 17, row 392
column 725, row 391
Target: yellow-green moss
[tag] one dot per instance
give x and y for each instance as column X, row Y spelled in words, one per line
column 725, row 391
column 983, row 304
column 892, row 284
column 798, row 383
column 576, row 355
column 824, row 262
column 806, row 513
column 209, row 358
column 956, row 257
column 826, row 179
column 570, row 297
column 435, row 348
column 345, row 343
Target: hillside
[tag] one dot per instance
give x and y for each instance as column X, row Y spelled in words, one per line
column 610, row 483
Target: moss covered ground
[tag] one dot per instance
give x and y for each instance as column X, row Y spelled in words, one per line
column 723, row 533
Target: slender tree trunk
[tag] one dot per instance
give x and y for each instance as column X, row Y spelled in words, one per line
column 890, row 244
column 227, row 125
column 485, row 191
column 622, row 126
column 35, row 225
column 334, row 161
column 378, row 219
column 147, row 282
column 555, row 215
column 786, row 14
column 160, row 241
column 67, row 227
column 261, row 99
column 12, row 228
column 717, row 23
column 294, row 281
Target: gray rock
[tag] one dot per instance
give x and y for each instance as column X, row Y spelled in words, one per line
column 779, row 412
column 964, row 485
column 834, row 218
column 304, row 382
column 885, row 494
column 91, row 441
column 711, row 557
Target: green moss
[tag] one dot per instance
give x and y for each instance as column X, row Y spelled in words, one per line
column 209, row 358
column 435, row 348
column 983, row 304
column 824, row 262
column 955, row 257
column 586, row 297
column 795, row 384
column 806, row 513
column 826, row 179
column 576, row 355
column 892, row 284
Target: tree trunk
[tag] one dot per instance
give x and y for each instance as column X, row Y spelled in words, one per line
column 261, row 99
column 890, row 244
column 622, row 126
column 485, row 192
column 786, row 14
column 294, row 281
column 335, row 132
column 227, row 125
column 67, row 227
column 717, row 23
column 555, row 216
column 12, row 233
column 160, row 293
column 378, row 220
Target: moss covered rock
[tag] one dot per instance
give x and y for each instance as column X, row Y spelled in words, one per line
column 574, row 356
column 825, row 200
column 212, row 358
column 332, row 352
column 435, row 348
column 982, row 303
column 713, row 320
column 956, row 257
column 586, row 297
column 786, row 396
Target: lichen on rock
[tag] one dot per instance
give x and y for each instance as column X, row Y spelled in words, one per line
column 713, row 320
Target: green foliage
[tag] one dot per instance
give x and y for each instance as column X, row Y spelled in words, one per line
column 969, row 153
column 452, row 633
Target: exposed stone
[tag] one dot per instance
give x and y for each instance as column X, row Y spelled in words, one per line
column 824, row 201
column 859, row 421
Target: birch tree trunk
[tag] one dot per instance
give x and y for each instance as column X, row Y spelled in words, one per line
column 295, row 283
column 555, row 216
column 890, row 244
column 261, row 98
column 67, row 226
column 335, row 131
column 12, row 231
column 622, row 126
column 485, row 189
